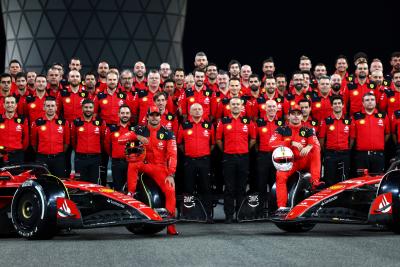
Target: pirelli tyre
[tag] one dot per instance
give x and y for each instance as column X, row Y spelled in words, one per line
column 34, row 209
column 145, row 229
column 295, row 227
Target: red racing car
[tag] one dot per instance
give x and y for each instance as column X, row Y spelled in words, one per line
column 369, row 199
column 36, row 204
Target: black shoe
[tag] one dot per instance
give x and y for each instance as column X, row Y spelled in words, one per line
column 210, row 220
column 229, row 220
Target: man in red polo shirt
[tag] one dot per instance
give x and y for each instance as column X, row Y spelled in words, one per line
column 334, row 137
column 108, row 102
column 321, row 104
column 196, row 140
column 199, row 93
column 102, row 69
column 305, row 146
column 14, row 131
column 371, row 131
column 140, row 81
column 211, row 73
column 87, row 136
column 50, row 138
column 235, row 136
column 115, row 150
column 266, row 126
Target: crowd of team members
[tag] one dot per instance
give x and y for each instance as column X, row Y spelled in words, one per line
column 46, row 117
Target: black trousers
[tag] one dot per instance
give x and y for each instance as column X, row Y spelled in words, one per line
column 68, row 155
column 119, row 168
column 87, row 166
column 197, row 173
column 235, row 170
column 266, row 173
column 374, row 161
column 16, row 157
column 55, row 163
column 336, row 166
column 103, row 166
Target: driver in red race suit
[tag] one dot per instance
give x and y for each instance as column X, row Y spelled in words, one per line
column 160, row 160
column 306, row 149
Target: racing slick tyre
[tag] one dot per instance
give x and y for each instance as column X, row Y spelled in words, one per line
column 295, row 227
column 150, row 194
column 34, row 207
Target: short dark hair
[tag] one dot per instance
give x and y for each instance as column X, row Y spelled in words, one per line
column 124, row 106
column 90, row 73
column 14, row 61
column 20, row 75
column 158, row 94
column 268, row 60
column 336, row 97
column 234, row 79
column 280, row 75
column 368, row 94
column 168, row 81
column 212, row 65
column 5, row 75
column 179, row 69
column 50, row 98
column 395, row 54
column 41, row 75
column 198, row 70
column 304, row 101
column 233, row 62
column 296, row 72
column 87, row 101
column 254, row 75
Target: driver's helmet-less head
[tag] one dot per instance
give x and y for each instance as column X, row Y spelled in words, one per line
column 283, row 158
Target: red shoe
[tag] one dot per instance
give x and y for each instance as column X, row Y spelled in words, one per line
column 171, row 230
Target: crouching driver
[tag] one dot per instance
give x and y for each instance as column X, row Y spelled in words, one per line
column 159, row 160
column 306, row 151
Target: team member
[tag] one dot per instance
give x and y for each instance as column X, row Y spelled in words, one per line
column 371, row 131
column 14, row 131
column 116, row 151
column 199, row 93
column 235, row 135
column 50, row 138
column 334, row 137
column 321, row 103
column 72, row 96
column 305, row 146
column 87, row 136
column 196, row 140
column 308, row 120
column 108, row 102
column 160, row 161
column 168, row 119
column 266, row 126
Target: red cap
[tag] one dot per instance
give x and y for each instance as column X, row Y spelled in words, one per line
column 153, row 109
column 295, row 107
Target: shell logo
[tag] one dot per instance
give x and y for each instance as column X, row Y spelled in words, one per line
column 67, row 100
column 33, row 105
column 362, row 121
column 116, row 134
column 264, row 130
column 190, row 132
column 263, row 106
column 355, row 93
column 191, row 100
column 2, row 126
column 292, row 103
column 336, row 187
column 331, row 127
column 318, row 105
column 43, row 128
column 392, row 99
column 144, row 99
column 229, row 127
column 227, row 107
column 105, row 101
column 81, row 129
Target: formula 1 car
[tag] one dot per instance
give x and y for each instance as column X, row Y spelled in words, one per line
column 369, row 199
column 36, row 204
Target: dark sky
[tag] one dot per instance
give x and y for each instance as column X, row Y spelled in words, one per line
column 251, row 31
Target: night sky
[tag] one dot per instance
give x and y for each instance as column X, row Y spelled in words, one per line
column 251, row 31
column 285, row 30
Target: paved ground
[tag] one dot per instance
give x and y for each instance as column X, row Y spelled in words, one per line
column 249, row 244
